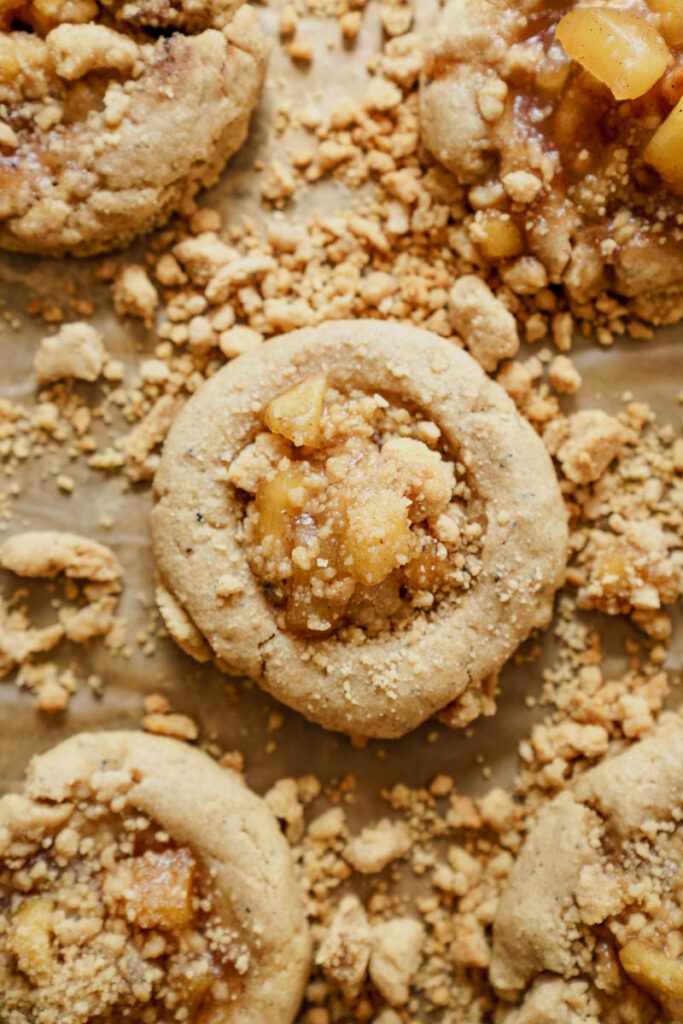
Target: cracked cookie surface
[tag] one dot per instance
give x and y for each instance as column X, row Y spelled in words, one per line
column 357, row 518
column 100, row 138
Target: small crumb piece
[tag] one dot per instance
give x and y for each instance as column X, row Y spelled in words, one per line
column 498, row 810
column 51, row 697
column 134, row 294
column 301, row 49
column 156, row 704
column 289, row 19
column 232, row 759
column 180, row 727
column 382, row 95
column 350, row 23
column 237, row 340
column 564, row 376
column 283, row 800
column 594, row 440
column 485, row 325
column 522, row 186
column 76, row 350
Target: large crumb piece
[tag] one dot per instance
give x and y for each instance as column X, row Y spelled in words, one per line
column 134, row 294
column 95, row 619
column 594, row 439
column 377, row 845
column 43, row 554
column 345, row 951
column 19, row 641
column 138, row 446
column 76, row 350
column 485, row 325
column 395, row 958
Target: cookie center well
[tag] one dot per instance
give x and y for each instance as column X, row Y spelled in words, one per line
column 357, row 514
column 106, row 918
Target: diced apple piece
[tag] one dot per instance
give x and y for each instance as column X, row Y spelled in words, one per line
column 671, row 22
column 653, row 970
column 378, row 536
column 297, row 413
column 664, row 151
column 277, row 500
column 154, row 889
column 618, row 47
column 30, row 937
column 497, row 236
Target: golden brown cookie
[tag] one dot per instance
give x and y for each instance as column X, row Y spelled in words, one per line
column 112, row 114
column 141, row 881
column 355, row 516
column 565, row 122
column 589, row 926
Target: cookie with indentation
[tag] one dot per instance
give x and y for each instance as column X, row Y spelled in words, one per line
column 115, row 114
column 358, row 518
column 588, row 928
column 140, row 880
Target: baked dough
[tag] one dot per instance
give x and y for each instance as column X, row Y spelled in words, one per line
column 139, row 880
column 589, row 926
column 387, row 683
column 559, row 190
column 114, row 114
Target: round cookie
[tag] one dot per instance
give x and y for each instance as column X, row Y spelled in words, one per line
column 115, row 114
column 415, row 445
column 589, row 928
column 564, row 179
column 139, row 880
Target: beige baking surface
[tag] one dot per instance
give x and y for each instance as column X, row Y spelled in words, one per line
column 651, row 371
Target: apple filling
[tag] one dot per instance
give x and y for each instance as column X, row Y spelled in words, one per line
column 104, row 917
column 636, row 53
column 358, row 513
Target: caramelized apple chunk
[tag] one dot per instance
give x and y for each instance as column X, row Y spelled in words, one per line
column 671, row 19
column 619, row 47
column 296, row 413
column 155, row 889
column 653, row 970
column 664, row 151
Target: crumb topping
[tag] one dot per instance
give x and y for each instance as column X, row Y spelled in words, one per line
column 360, row 514
column 103, row 916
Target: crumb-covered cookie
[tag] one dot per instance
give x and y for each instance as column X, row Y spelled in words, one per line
column 358, row 518
column 566, row 122
column 112, row 114
column 141, row 881
column 589, row 928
